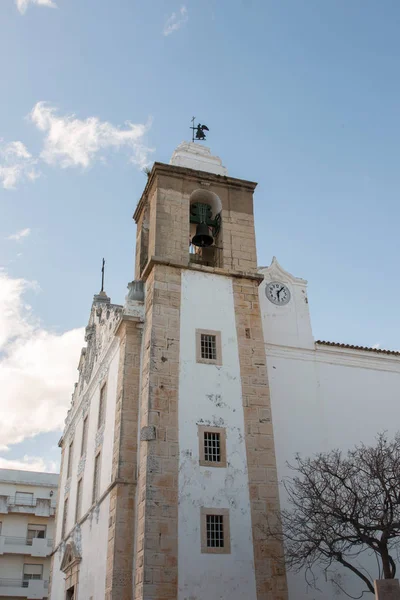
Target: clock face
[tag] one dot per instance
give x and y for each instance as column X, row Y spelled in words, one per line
column 277, row 293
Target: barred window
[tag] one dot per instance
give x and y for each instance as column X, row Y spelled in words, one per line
column 212, row 446
column 215, row 533
column 208, row 347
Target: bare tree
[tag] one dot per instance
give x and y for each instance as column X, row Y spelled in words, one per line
column 343, row 505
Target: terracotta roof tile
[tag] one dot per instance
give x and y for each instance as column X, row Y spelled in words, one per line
column 351, row 347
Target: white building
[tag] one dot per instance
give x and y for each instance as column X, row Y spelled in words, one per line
column 27, row 508
column 324, row 395
column 168, row 464
column 168, row 454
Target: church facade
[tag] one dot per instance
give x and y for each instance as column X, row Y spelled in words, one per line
column 168, row 468
column 324, row 396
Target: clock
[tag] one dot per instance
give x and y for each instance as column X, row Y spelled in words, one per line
column 277, row 293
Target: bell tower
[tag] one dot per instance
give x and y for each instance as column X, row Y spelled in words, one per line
column 168, row 471
column 206, row 463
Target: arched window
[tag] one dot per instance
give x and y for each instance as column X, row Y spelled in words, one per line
column 205, row 228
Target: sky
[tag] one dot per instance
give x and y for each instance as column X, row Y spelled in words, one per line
column 301, row 96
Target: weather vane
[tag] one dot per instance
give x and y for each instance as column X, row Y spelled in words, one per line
column 200, row 129
column 102, row 275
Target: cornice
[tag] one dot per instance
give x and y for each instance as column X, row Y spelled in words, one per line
column 158, row 260
column 188, row 174
column 336, row 356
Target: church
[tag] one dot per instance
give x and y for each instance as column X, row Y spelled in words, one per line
column 192, row 397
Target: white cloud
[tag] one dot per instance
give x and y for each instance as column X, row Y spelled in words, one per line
column 37, row 367
column 19, row 235
column 376, row 346
column 73, row 142
column 30, row 463
column 22, row 5
column 16, row 164
column 176, row 21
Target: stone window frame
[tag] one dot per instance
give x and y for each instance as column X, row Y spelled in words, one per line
column 96, row 477
column 70, row 458
column 202, row 429
column 64, row 517
column 209, row 361
column 224, row 512
column 102, row 405
column 85, row 432
column 78, row 504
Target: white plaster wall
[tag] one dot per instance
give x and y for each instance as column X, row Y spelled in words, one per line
column 92, row 568
column 106, row 445
column 94, row 530
column 323, row 398
column 290, row 324
column 16, row 525
column 212, row 395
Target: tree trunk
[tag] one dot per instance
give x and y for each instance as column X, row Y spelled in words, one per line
column 387, row 571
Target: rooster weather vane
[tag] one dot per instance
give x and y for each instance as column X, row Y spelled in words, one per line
column 199, row 129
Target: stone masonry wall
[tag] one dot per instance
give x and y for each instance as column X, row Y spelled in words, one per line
column 119, row 581
column 156, row 575
column 264, row 498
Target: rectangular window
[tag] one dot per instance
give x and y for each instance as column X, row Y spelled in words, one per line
column 32, row 572
column 212, row 446
column 24, row 499
column 65, row 516
column 208, row 347
column 96, row 478
column 78, row 500
column 35, row 531
column 215, row 533
column 70, row 456
column 102, row 406
column 84, row 435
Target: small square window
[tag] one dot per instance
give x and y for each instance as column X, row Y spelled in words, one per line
column 212, row 446
column 208, row 347
column 215, row 531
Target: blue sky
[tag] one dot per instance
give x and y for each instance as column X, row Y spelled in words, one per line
column 299, row 95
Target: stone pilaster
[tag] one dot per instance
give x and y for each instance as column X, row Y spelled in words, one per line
column 156, row 572
column 264, row 497
column 120, row 550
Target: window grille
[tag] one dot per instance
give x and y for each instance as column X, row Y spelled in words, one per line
column 212, row 446
column 215, row 531
column 208, row 346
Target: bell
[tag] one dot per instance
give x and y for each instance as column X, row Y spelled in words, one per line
column 203, row 239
